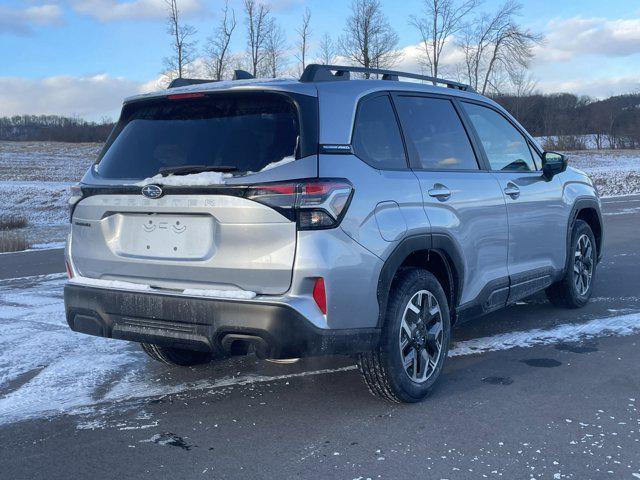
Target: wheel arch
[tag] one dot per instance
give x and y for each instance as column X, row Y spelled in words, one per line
column 437, row 253
column 588, row 210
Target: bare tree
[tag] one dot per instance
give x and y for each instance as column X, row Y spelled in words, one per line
column 440, row 21
column 258, row 20
column 496, row 46
column 327, row 50
column 182, row 42
column 368, row 39
column 304, row 33
column 217, row 50
column 522, row 82
column 275, row 50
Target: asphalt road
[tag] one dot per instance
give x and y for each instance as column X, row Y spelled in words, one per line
column 562, row 410
column 33, row 262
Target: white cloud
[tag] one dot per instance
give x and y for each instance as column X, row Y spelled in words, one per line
column 21, row 21
column 577, row 36
column 88, row 97
column 113, row 10
column 565, row 62
column 599, row 87
column 412, row 59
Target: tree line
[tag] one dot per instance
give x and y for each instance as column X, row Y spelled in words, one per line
column 53, row 128
column 612, row 123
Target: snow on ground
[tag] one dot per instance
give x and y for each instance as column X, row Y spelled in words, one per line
column 46, row 369
column 46, row 161
column 614, row 172
column 43, row 203
column 34, row 182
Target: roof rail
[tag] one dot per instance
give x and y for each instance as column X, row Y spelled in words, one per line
column 183, row 82
column 324, row 73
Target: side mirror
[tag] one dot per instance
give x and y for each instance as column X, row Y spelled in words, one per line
column 552, row 164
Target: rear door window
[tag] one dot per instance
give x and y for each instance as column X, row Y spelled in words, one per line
column 505, row 147
column 376, row 135
column 435, row 135
column 244, row 132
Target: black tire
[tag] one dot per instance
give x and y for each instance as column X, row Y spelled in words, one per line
column 382, row 368
column 176, row 356
column 565, row 293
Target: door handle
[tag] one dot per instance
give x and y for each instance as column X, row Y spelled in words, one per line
column 439, row 191
column 512, row 190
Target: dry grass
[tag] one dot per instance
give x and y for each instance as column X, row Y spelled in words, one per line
column 12, row 222
column 565, row 143
column 13, row 242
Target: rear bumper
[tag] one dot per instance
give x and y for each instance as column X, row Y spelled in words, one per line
column 276, row 329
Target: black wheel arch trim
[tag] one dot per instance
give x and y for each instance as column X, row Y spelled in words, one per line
column 583, row 203
column 440, row 244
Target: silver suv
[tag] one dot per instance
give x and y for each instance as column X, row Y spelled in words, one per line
column 324, row 215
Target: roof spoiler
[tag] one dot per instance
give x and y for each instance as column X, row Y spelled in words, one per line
column 184, row 82
column 329, row 73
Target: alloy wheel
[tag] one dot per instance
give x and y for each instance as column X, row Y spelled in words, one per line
column 421, row 335
column 583, row 264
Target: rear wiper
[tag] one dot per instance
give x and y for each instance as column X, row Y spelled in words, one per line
column 187, row 169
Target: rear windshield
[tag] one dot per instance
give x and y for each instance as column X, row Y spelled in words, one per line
column 245, row 131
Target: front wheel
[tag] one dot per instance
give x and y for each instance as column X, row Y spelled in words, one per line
column 415, row 340
column 574, row 290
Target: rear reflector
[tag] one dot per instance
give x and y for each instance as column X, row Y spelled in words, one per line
column 320, row 295
column 69, row 270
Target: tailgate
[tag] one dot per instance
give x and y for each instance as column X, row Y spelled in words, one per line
column 184, row 241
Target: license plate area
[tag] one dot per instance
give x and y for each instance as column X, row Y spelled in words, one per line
column 162, row 236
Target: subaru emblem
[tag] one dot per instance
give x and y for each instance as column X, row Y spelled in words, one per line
column 152, row 191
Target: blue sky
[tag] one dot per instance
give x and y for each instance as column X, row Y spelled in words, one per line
column 82, row 56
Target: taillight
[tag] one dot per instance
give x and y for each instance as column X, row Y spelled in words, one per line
column 320, row 295
column 314, row 204
column 75, row 195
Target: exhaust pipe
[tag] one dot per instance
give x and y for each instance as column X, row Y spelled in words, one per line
column 238, row 344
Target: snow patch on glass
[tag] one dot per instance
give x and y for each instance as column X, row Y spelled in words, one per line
column 203, row 179
column 192, row 180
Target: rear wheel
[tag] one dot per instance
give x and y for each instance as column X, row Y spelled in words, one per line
column 415, row 340
column 574, row 290
column 176, row 356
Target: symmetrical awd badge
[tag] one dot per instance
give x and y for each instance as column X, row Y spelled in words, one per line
column 152, row 191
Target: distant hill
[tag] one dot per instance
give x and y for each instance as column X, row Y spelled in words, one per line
column 52, row 128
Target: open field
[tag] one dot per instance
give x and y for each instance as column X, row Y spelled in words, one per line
column 34, row 180
column 35, row 177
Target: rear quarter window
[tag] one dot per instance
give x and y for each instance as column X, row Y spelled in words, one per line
column 376, row 135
